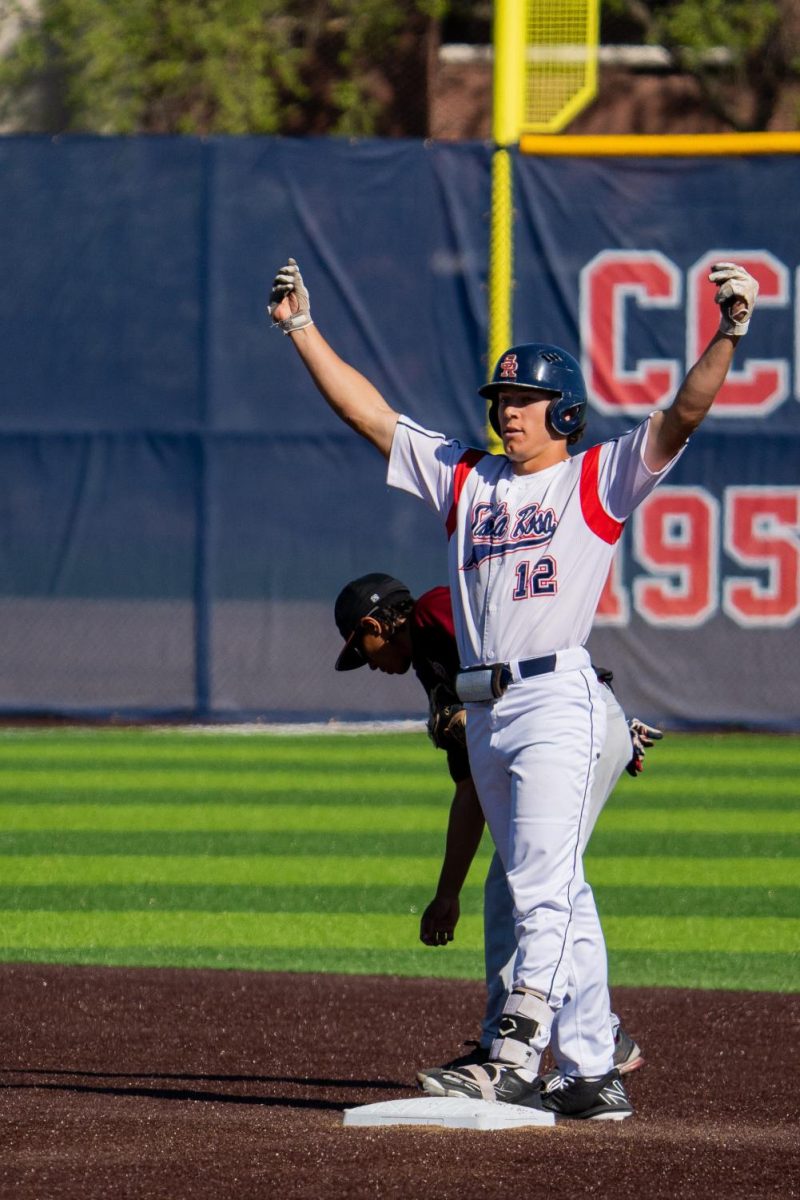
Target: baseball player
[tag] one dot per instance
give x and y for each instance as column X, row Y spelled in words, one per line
column 387, row 630
column 532, row 533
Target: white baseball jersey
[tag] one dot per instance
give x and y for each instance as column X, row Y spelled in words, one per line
column 528, row 554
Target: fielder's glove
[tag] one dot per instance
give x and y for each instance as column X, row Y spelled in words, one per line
column 736, row 297
column 642, row 737
column 289, row 282
column 447, row 720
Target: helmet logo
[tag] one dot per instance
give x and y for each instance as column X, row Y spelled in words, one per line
column 509, row 366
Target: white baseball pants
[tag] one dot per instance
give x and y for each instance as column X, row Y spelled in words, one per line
column 500, row 943
column 533, row 755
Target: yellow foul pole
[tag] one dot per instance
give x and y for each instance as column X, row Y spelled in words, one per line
column 508, row 93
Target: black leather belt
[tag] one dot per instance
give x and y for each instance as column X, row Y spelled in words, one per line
column 480, row 684
column 536, row 666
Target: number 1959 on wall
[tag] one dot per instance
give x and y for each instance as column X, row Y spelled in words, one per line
column 699, row 556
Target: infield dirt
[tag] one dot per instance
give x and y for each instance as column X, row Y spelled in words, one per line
column 173, row 1084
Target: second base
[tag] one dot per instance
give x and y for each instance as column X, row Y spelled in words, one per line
column 448, row 1112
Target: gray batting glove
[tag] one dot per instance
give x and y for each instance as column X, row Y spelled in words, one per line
column 289, row 305
column 736, row 297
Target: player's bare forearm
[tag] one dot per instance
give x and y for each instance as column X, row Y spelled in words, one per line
column 351, row 396
column 349, row 393
column 670, row 429
column 736, row 292
column 464, row 832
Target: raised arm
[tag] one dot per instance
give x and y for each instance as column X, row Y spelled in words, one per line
column 351, row 396
column 736, row 296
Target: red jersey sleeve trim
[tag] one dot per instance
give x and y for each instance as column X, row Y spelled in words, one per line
column 463, row 467
column 595, row 516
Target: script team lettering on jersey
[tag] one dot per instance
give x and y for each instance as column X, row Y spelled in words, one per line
column 490, row 525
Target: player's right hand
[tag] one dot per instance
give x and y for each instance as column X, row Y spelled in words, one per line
column 438, row 922
column 289, row 305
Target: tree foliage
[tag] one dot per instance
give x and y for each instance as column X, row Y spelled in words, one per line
column 356, row 67
column 212, row 66
column 743, row 53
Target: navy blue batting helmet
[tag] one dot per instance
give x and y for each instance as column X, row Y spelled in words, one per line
column 548, row 368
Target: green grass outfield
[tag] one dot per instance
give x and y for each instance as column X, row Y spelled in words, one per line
column 318, row 853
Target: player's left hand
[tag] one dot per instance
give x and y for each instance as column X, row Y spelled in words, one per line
column 438, row 922
column 736, row 296
column 447, row 718
column 642, row 738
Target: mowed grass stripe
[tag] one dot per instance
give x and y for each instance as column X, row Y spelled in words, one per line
column 427, row 781
column 679, row 797
column 353, row 796
column 54, row 759
column 214, row 768
column 374, row 930
column 302, row 870
column 265, row 781
column 759, row 971
column 399, row 787
column 274, row 818
column 381, row 846
column 711, row 759
column 108, row 749
column 379, row 898
column 687, row 750
column 736, row 789
column 248, row 758
column 271, row 778
column 359, row 798
column 682, row 772
column 658, row 771
column 420, row 962
column 752, row 971
column 290, row 818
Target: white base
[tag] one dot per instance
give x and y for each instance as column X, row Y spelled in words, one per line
column 448, row 1112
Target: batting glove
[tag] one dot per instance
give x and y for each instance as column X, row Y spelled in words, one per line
column 736, row 297
column 289, row 283
column 642, row 738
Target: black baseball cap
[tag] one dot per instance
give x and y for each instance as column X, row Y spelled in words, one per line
column 357, row 599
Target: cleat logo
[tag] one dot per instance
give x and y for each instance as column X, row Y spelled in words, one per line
column 614, row 1093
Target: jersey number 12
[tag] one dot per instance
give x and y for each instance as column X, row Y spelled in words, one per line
column 538, row 580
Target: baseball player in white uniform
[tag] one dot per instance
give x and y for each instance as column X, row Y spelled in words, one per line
column 385, row 628
column 532, row 533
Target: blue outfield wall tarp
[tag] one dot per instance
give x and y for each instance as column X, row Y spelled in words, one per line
column 178, row 508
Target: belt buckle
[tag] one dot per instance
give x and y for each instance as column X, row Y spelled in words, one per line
column 501, row 678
